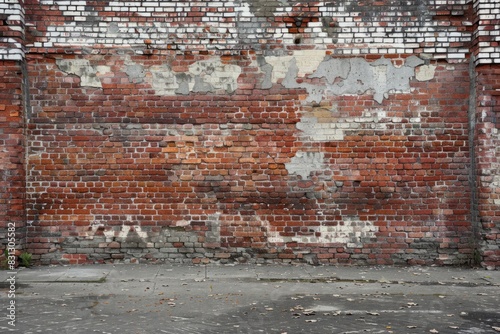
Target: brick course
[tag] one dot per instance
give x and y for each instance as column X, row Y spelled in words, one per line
column 254, row 131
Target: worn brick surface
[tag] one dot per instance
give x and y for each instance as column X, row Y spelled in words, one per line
column 486, row 34
column 318, row 131
column 487, row 158
column 12, row 143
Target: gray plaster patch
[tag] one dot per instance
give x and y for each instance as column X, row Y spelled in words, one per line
column 425, row 72
column 343, row 76
column 357, row 76
column 201, row 86
column 135, row 73
column 208, row 76
column 307, row 61
column 331, row 69
column 304, row 163
column 323, row 124
column 412, row 61
column 212, row 75
column 351, row 231
column 83, row 69
column 315, row 92
column 183, row 81
column 267, row 69
column 163, row 80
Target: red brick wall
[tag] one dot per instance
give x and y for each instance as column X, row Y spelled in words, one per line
column 13, row 97
column 254, row 131
column 12, row 170
column 487, row 143
column 119, row 172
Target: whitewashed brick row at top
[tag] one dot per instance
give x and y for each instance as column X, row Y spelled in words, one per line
column 12, row 48
column 488, row 31
column 232, row 25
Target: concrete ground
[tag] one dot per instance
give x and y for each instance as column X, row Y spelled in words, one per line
column 167, row 298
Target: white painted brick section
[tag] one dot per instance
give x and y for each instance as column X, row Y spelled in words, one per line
column 348, row 32
column 13, row 48
column 488, row 12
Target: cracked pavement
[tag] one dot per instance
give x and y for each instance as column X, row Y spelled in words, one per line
column 168, row 298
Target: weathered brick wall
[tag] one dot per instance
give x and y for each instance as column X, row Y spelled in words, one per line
column 12, row 140
column 436, row 27
column 486, row 38
column 130, row 167
column 253, row 131
column 486, row 138
column 487, row 143
column 12, row 172
column 12, row 28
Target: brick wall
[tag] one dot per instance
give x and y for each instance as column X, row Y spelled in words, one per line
column 486, row 38
column 13, row 86
column 12, row 27
column 258, row 131
column 440, row 28
column 12, row 172
column 486, row 51
column 208, row 175
column 486, row 142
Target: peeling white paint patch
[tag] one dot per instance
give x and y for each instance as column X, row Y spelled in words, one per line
column 313, row 129
column 163, row 80
column 325, row 125
column 425, row 72
column 124, row 232
column 203, row 76
column 304, row 163
column 343, row 76
column 82, row 68
column 354, row 76
column 307, row 62
column 352, row 231
column 213, row 75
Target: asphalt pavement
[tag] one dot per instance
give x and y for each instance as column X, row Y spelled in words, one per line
column 170, row 298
